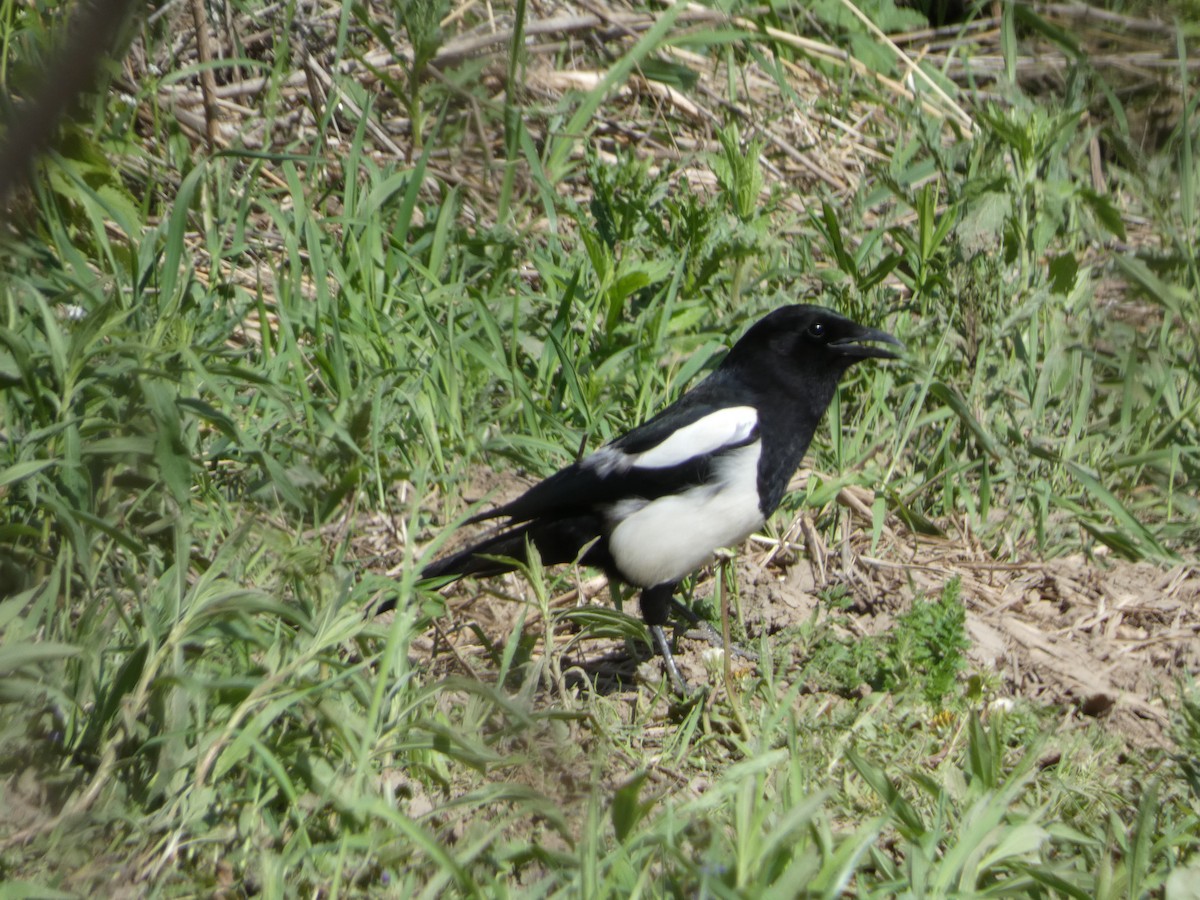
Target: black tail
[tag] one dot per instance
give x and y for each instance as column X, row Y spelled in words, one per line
column 558, row 541
column 472, row 561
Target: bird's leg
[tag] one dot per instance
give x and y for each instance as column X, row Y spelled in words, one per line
column 656, row 604
column 664, row 648
column 656, row 631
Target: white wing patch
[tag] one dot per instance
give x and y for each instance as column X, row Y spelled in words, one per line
column 668, row 538
column 726, row 427
column 732, row 425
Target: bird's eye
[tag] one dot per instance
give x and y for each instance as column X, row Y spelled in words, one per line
column 816, row 329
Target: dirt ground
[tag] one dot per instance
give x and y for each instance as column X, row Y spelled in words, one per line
column 1104, row 637
column 1094, row 637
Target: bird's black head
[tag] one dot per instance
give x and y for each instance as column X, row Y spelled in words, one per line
column 807, row 341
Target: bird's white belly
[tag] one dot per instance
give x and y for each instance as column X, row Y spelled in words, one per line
column 670, row 537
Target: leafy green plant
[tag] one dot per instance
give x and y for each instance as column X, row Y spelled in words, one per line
column 922, row 653
column 420, row 19
column 928, row 646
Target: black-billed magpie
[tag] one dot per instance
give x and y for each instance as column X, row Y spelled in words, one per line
column 654, row 505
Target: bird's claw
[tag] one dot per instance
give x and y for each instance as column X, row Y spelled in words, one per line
column 704, row 631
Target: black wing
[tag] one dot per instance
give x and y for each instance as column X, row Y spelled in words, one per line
column 669, row 453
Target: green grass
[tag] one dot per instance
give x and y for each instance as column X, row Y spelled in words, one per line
column 219, row 375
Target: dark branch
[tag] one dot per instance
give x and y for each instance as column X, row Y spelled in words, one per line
column 72, row 70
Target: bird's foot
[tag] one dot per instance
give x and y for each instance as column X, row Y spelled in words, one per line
column 703, row 630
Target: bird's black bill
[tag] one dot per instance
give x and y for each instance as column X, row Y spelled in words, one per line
column 860, row 345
